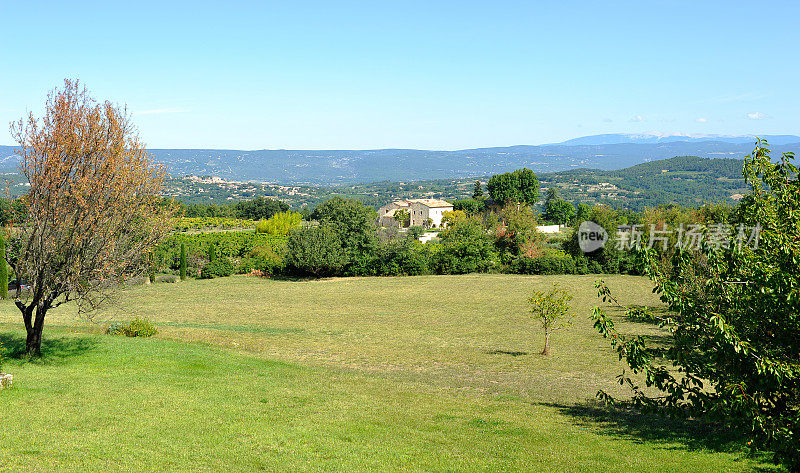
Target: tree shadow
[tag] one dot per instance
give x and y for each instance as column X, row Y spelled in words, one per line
column 54, row 350
column 292, row 278
column 505, row 352
column 671, row 433
column 657, row 312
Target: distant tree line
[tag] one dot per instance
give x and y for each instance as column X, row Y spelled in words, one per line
column 255, row 209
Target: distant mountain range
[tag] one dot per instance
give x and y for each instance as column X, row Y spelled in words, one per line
column 336, row 167
column 650, row 138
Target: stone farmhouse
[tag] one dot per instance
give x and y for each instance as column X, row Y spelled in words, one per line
column 424, row 212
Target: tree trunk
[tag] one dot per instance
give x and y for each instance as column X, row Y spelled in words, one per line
column 33, row 345
column 546, row 350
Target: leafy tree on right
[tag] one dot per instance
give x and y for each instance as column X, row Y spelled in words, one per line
column 734, row 320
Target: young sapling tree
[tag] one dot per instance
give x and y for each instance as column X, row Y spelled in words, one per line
column 552, row 309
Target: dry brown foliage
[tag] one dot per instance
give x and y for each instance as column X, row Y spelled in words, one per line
column 93, row 211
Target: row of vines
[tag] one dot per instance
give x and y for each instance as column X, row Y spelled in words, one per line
column 247, row 251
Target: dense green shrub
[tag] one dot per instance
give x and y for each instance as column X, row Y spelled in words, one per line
column 593, row 267
column 470, row 206
column 550, row 262
column 138, row 327
column 415, row 232
column 269, row 259
column 362, row 264
column 465, row 248
column 12, row 210
column 401, row 257
column 316, row 251
column 515, row 231
column 117, row 328
column 220, row 267
column 606, row 259
column 557, row 210
column 246, row 266
column 355, row 226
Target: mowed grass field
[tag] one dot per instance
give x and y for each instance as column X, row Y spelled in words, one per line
column 429, row 373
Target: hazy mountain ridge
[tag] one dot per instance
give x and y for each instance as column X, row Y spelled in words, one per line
column 650, row 138
column 333, row 167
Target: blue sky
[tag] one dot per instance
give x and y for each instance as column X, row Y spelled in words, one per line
column 434, row 75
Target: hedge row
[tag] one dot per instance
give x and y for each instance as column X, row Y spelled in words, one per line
column 243, row 252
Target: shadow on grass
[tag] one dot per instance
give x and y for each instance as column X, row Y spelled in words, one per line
column 296, row 278
column 674, row 434
column 656, row 313
column 54, row 350
column 505, row 352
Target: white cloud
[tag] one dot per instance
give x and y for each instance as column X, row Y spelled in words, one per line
column 637, row 118
column 702, row 120
column 608, row 120
column 159, row 111
column 758, row 116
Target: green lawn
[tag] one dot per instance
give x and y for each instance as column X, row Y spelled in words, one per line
column 433, row 373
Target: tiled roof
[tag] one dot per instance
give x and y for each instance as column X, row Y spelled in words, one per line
column 432, row 202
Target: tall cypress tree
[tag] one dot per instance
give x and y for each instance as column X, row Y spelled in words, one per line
column 477, row 192
column 3, row 270
column 183, row 262
column 212, row 252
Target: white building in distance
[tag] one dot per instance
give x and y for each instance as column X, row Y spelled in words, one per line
column 424, row 212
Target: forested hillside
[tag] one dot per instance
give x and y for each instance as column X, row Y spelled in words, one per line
column 684, row 180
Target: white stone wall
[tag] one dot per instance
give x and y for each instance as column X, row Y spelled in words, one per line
column 437, row 213
column 420, row 213
column 549, row 228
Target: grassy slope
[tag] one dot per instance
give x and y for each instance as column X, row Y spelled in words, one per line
column 424, row 373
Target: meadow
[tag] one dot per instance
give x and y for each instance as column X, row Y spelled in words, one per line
column 424, row 373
